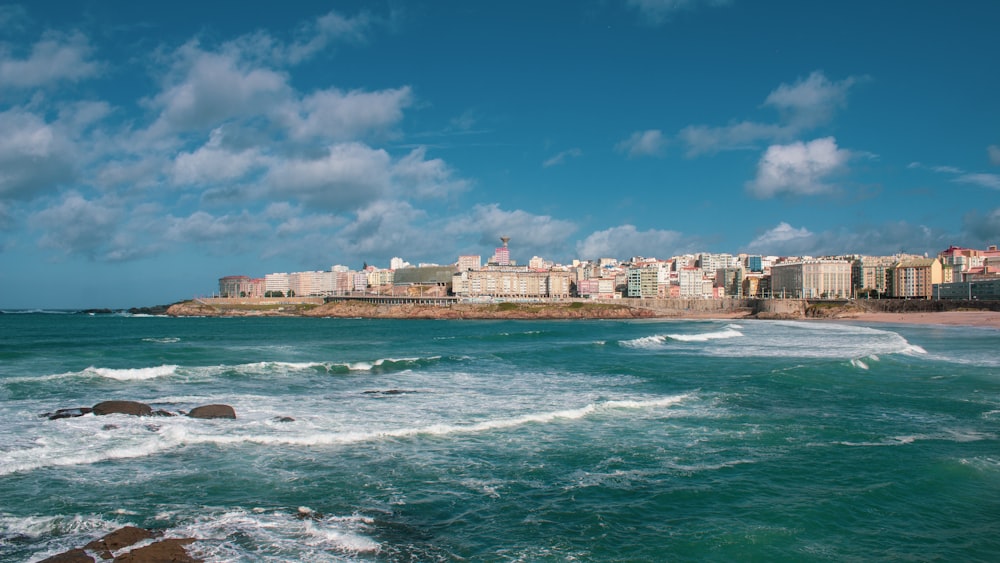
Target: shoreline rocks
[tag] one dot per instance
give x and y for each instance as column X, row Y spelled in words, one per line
column 164, row 550
column 135, row 408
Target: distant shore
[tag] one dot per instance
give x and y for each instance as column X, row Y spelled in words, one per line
column 621, row 309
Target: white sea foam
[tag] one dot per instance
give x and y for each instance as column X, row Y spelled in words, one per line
column 135, row 374
column 859, row 364
column 276, row 535
column 706, row 336
column 164, row 340
column 134, row 438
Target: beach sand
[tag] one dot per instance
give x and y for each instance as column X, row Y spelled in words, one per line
column 989, row 319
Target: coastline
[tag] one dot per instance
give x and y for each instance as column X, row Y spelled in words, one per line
column 981, row 319
column 579, row 310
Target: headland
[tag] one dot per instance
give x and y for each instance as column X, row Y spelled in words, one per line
column 986, row 314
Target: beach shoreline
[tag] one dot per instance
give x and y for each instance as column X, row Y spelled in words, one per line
column 963, row 317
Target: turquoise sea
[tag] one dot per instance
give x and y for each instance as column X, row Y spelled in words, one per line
column 505, row 440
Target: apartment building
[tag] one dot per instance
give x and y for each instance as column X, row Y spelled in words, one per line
column 812, row 279
column 915, row 277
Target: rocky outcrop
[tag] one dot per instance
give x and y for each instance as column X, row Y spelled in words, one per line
column 67, row 413
column 169, row 550
column 72, row 556
column 166, row 551
column 213, row 411
column 122, row 407
column 122, row 537
column 134, row 408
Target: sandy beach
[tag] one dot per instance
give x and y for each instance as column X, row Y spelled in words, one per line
column 990, row 319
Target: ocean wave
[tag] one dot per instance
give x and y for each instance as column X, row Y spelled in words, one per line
column 133, row 438
column 163, row 340
column 658, row 340
column 135, row 374
column 274, row 535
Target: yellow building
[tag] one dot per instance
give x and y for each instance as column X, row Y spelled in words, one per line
column 915, row 278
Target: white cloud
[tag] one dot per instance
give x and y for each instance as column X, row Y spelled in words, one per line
column 238, row 231
column 985, row 227
column 883, row 239
column 802, row 105
column 77, row 225
column 34, row 155
column 984, row 180
column 625, row 240
column 421, row 178
column 335, row 115
column 316, row 36
column 812, row 100
column 348, row 176
column 55, row 58
column 529, row 233
column 798, row 168
column 642, row 143
column 561, row 157
column 204, row 89
column 781, row 239
column 213, row 163
column 994, row 152
column 658, row 11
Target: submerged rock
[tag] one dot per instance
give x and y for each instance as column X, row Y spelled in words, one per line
column 213, row 411
column 283, row 419
column 67, row 413
column 122, row 537
column 169, row 550
column 72, row 556
column 122, row 407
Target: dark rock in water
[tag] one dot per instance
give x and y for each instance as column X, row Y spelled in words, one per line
column 212, row 411
column 169, row 550
column 71, row 556
column 306, row 513
column 122, row 537
column 161, row 412
column 109, row 427
column 96, row 312
column 389, row 392
column 122, row 407
column 154, row 310
column 67, row 413
column 283, row 419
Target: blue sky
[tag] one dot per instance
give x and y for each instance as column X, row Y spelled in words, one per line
column 148, row 149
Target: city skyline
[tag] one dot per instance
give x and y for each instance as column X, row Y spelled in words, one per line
column 147, row 152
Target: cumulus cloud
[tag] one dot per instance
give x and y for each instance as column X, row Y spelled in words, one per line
column 984, row 227
column 35, row 156
column 883, row 239
column 642, row 143
column 798, row 168
column 561, row 157
column 206, row 88
column 994, row 153
column 335, row 115
column 626, row 240
column 347, row 176
column 237, row 231
column 802, row 106
column 529, row 233
column 77, row 225
column 55, row 58
column 213, row 163
column 659, row 11
column 417, row 176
